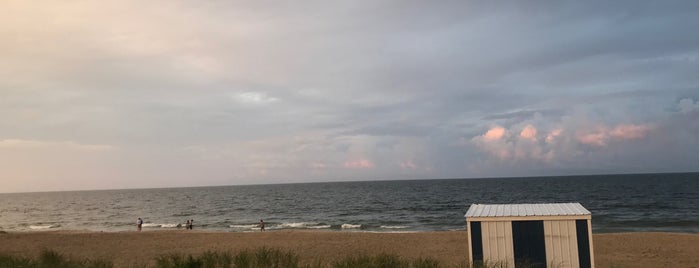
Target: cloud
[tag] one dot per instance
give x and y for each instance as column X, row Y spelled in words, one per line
column 688, row 105
column 408, row 164
column 359, row 163
column 528, row 133
column 630, row 131
column 593, row 137
column 258, row 93
column 530, row 145
column 254, row 98
column 553, row 135
column 601, row 136
column 63, row 145
column 495, row 133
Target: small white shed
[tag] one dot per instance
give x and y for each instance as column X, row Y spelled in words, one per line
column 533, row 235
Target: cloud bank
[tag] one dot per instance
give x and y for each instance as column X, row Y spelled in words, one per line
column 121, row 94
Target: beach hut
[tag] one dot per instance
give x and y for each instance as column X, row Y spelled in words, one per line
column 530, row 235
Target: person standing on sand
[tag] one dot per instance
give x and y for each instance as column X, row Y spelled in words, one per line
column 191, row 224
column 139, row 223
column 262, row 225
column 186, row 226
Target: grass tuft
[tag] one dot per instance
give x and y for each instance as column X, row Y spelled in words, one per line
column 262, row 257
column 385, row 261
column 49, row 258
column 257, row 258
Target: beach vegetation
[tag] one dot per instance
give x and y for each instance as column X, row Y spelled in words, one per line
column 252, row 258
column 49, row 258
column 259, row 258
column 384, row 261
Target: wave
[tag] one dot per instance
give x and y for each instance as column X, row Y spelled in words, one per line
column 320, row 227
column 44, row 227
column 299, row 225
column 162, row 225
column 245, row 226
column 285, row 225
column 351, row 226
column 394, row 227
column 302, row 225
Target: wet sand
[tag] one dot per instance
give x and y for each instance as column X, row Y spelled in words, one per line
column 128, row 249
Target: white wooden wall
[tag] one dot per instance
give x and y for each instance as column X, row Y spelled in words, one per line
column 497, row 243
column 561, row 244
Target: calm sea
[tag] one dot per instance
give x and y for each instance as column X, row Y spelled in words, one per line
column 619, row 203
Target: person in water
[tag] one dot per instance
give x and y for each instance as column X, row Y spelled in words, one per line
column 139, row 223
column 262, row 225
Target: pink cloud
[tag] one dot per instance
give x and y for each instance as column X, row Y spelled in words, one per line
column 493, row 143
column 408, row 164
column 317, row 165
column 551, row 137
column 630, row 131
column 528, row 133
column 359, row 163
column 603, row 135
column 494, row 133
column 597, row 138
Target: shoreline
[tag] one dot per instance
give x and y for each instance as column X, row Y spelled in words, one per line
column 129, row 248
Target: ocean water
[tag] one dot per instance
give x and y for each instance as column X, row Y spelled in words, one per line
column 619, row 203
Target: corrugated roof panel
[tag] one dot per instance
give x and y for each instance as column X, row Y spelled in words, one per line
column 522, row 210
column 500, row 210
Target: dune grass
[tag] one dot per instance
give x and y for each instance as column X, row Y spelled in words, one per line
column 255, row 258
column 274, row 258
column 49, row 258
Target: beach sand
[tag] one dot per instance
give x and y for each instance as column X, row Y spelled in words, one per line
column 141, row 248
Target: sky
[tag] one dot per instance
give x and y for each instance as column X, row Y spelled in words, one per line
column 141, row 94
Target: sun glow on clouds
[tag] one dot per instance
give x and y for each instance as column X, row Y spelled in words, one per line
column 65, row 145
column 630, row 131
column 359, row 163
column 494, row 133
column 528, row 133
column 408, row 165
column 530, row 144
column 602, row 135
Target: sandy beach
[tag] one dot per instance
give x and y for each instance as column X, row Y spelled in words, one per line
column 140, row 248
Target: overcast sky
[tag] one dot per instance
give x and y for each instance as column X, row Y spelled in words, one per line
column 136, row 94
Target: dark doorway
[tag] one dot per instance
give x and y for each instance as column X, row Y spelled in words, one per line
column 529, row 245
column 583, row 243
column 476, row 242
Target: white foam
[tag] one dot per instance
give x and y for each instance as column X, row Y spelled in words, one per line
column 351, row 226
column 298, row 225
column 161, row 225
column 244, row 226
column 43, row 227
column 394, row 227
column 319, row 227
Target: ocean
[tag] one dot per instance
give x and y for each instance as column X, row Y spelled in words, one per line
column 619, row 203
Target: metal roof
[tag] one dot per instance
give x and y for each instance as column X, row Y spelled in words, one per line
column 524, row 210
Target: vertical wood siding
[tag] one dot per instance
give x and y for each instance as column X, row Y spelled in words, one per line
column 497, row 243
column 561, row 244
